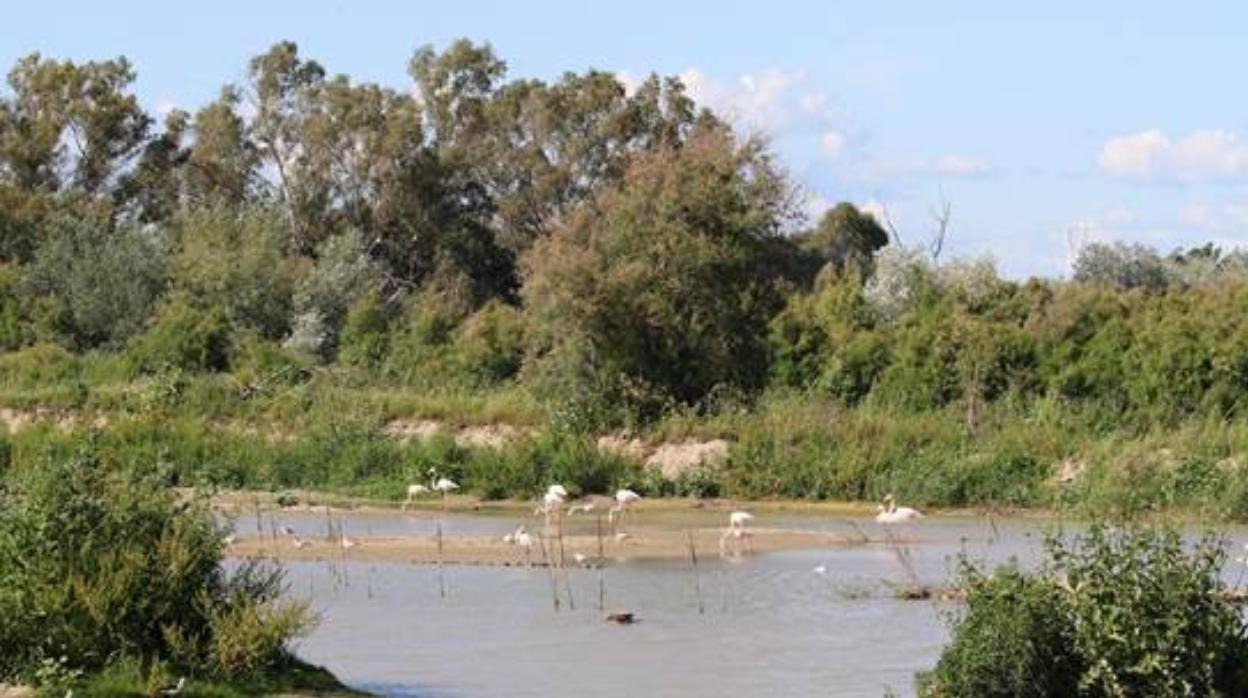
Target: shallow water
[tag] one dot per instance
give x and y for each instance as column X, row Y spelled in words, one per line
column 761, row 625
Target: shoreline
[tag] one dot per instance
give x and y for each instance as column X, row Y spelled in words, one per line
column 641, row 544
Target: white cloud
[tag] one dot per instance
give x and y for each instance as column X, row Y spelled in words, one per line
column 768, row 100
column 1152, row 155
column 953, row 166
column 959, row 166
column 833, row 143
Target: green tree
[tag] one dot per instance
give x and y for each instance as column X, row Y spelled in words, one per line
column 660, row 284
column 106, row 282
column 847, row 238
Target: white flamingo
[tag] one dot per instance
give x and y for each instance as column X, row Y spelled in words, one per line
column 552, row 504
column 624, row 499
column 523, row 539
column 737, row 522
column 347, row 543
column 889, row 513
column 414, row 492
column 445, row 486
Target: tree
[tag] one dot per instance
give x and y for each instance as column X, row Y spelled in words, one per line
column 662, row 284
column 104, row 282
column 847, row 238
column 68, row 125
column 1121, row 266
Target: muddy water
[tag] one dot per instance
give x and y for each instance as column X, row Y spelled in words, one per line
column 761, row 625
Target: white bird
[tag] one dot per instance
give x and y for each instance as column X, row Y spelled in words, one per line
column 523, row 539
column 286, row 531
column 445, row 485
column 175, row 690
column 624, row 498
column 552, row 504
column 821, row 569
column 300, row 543
column 557, row 489
column 347, row 543
column 737, row 521
column 889, row 513
column 414, row 492
column 580, row 558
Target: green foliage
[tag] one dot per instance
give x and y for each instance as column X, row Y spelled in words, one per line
column 660, row 292
column 1115, row 612
column 183, row 337
column 365, row 333
column 489, row 345
column 98, row 563
column 234, row 260
column 104, row 283
column 1015, row 639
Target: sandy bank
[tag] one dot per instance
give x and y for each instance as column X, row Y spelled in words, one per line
column 640, row 544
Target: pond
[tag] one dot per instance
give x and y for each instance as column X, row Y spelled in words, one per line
column 798, row 623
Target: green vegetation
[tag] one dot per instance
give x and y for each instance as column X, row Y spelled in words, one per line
column 249, row 297
column 1115, row 612
column 106, row 574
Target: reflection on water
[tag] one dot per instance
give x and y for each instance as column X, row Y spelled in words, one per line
column 763, row 625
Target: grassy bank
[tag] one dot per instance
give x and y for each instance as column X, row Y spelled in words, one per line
column 327, row 430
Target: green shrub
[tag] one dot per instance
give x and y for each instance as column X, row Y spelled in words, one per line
column 1016, row 639
column 1113, row 612
column 99, row 563
column 103, row 284
column 184, row 337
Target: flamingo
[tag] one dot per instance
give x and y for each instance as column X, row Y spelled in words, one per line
column 552, row 503
column 445, row 486
column 737, row 521
column 889, row 513
column 413, row 492
column 522, row 538
column 347, row 543
column 557, row 489
column 624, row 498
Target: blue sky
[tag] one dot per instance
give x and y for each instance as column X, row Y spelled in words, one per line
column 1065, row 120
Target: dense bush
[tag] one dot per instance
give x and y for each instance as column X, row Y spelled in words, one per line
column 103, row 283
column 1113, row 612
column 97, row 564
column 184, row 337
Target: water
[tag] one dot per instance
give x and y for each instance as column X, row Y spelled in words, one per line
column 767, row 624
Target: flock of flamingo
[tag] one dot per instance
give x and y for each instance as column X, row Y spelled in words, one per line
column 552, row 503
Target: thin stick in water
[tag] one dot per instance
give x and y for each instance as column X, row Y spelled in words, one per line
column 697, row 582
column 441, row 577
column 602, row 582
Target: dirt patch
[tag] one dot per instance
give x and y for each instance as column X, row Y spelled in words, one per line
column 419, row 429
column 623, row 445
column 495, row 436
column 7, row 691
column 489, row 436
column 675, row 459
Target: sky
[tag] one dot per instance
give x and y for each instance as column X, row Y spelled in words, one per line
column 1043, row 127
